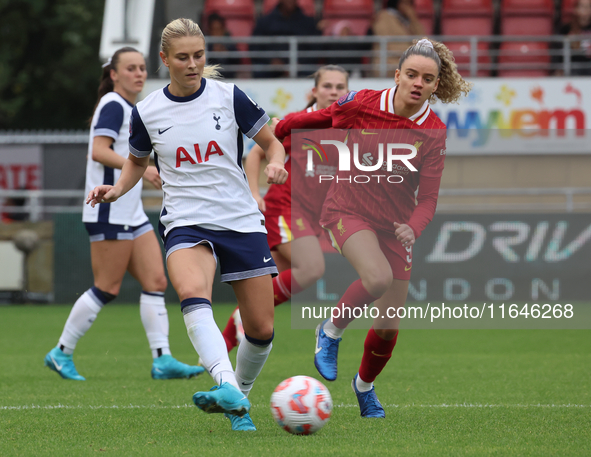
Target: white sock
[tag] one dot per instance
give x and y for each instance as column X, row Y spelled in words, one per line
column 333, row 331
column 155, row 319
column 210, row 345
column 249, row 363
column 363, row 386
column 81, row 317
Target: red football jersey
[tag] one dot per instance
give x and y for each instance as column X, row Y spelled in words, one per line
column 370, row 115
column 278, row 197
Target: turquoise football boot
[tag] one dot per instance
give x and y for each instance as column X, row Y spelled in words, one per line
column 222, row 399
column 167, row 367
column 62, row 364
column 243, row 424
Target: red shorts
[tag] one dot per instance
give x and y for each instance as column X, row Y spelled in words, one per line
column 304, row 223
column 399, row 257
column 278, row 229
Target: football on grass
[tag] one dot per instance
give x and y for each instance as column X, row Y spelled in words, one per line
column 301, row 405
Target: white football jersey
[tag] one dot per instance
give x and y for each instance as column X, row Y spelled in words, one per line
column 198, row 146
column 111, row 119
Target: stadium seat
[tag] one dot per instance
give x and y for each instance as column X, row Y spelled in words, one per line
column 533, row 57
column 239, row 15
column 527, row 6
column 567, row 11
column 240, row 27
column 467, row 17
column 458, row 25
column 358, row 26
column 468, row 7
column 356, row 9
column 426, row 14
column 230, row 8
column 307, row 6
column 527, row 17
column 461, row 52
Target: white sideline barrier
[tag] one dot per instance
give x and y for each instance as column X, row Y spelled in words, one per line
column 11, row 267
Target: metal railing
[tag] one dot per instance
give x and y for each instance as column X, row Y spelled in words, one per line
column 35, row 207
column 302, row 55
column 44, row 136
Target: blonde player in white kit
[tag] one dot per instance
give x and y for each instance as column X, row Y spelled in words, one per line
column 122, row 239
column 195, row 127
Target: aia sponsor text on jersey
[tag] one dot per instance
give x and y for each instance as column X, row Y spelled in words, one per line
column 183, row 155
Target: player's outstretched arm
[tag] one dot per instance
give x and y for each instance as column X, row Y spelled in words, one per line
column 131, row 173
column 252, row 167
column 321, row 119
column 275, row 171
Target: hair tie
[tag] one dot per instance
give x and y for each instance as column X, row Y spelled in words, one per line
column 425, row 42
column 107, row 63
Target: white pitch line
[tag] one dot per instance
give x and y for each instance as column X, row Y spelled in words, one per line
column 341, row 405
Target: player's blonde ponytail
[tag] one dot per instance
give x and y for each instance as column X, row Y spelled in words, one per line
column 186, row 27
column 451, row 84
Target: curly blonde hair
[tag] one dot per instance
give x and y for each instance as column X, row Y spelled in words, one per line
column 186, row 27
column 451, row 84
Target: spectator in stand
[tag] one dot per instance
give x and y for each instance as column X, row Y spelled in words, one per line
column 216, row 26
column 581, row 49
column 399, row 18
column 286, row 19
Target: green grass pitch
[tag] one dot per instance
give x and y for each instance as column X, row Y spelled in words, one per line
column 445, row 392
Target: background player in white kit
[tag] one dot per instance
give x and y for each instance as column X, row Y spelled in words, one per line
column 122, row 239
column 195, row 127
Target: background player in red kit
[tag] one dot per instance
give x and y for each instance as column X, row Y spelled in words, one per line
column 296, row 274
column 375, row 225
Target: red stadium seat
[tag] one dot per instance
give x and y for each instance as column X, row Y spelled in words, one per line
column 527, row 7
column 479, row 26
column 461, row 52
column 239, row 16
column 358, row 26
column 533, row 57
column 230, row 8
column 526, row 25
column 527, row 17
column 467, row 17
column 568, row 9
column 357, row 9
column 426, row 14
column 307, row 6
column 469, row 7
column 240, row 27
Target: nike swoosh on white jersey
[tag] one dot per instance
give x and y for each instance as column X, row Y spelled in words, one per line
column 57, row 366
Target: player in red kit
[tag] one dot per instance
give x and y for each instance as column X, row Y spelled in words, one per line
column 303, row 270
column 375, row 224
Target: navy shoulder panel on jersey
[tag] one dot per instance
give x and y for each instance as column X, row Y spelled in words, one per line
column 110, row 120
column 140, row 143
column 250, row 117
column 347, row 98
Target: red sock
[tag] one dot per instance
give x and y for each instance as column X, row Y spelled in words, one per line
column 354, row 297
column 376, row 353
column 229, row 333
column 284, row 286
